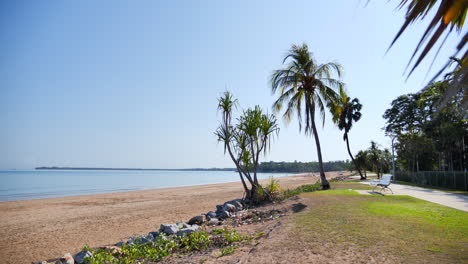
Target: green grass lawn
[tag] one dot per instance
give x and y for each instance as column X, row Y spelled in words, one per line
column 406, row 229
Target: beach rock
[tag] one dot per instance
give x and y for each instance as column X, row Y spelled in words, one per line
column 223, row 215
column 187, row 230
column 219, row 208
column 130, row 241
column 67, row 259
column 238, row 203
column 199, row 219
column 153, row 235
column 80, row 257
column 229, row 207
column 142, row 240
column 120, row 244
column 211, row 214
column 169, row 229
column 213, row 221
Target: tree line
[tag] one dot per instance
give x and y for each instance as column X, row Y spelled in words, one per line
column 299, row 167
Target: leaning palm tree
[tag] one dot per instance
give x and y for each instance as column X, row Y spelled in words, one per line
column 306, row 87
column 345, row 111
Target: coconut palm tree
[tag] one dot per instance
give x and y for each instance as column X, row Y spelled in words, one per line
column 345, row 111
column 374, row 156
column 305, row 87
column 362, row 162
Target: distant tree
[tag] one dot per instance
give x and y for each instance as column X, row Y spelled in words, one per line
column 362, row 161
column 374, row 158
column 296, row 167
column 246, row 140
column 428, row 137
column 306, row 87
column 346, row 111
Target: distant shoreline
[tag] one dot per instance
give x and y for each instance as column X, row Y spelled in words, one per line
column 135, row 169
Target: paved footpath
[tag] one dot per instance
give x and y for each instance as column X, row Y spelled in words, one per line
column 457, row 201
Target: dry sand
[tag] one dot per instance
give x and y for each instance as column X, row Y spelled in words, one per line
column 36, row 230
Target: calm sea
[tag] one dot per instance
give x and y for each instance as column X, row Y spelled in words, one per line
column 25, row 185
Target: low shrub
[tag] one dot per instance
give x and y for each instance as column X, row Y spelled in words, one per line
column 301, row 189
column 167, row 245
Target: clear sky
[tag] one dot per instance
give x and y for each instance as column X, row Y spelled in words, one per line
column 135, row 83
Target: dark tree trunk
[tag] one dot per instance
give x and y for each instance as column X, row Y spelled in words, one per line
column 323, row 179
column 246, row 189
column 352, row 158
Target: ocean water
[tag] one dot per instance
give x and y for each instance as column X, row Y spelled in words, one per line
column 35, row 184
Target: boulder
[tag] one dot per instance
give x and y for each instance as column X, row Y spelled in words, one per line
column 219, row 208
column 199, row 219
column 153, row 235
column 233, row 205
column 223, row 215
column 142, row 240
column 210, row 215
column 80, row 257
column 169, row 229
column 213, row 221
column 238, row 203
column 67, row 259
column 229, row 207
column 187, row 230
column 120, row 244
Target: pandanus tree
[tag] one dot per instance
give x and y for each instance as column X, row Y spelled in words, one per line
column 246, row 140
column 346, row 111
column 306, row 87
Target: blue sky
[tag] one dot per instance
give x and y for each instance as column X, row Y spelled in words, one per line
column 134, row 83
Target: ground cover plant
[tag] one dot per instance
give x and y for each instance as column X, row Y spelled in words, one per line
column 402, row 228
column 225, row 239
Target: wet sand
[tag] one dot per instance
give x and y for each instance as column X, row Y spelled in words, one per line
column 41, row 229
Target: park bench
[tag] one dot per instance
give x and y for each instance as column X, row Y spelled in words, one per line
column 383, row 183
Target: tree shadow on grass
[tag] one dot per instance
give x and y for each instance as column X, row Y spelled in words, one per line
column 298, row 207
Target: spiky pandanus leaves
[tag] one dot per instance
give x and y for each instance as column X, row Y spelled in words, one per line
column 246, row 140
column 304, row 87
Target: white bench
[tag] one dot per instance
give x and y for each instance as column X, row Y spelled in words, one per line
column 383, row 183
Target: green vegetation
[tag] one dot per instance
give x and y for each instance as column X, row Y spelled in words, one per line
column 301, row 189
column 402, row 228
column 305, row 87
column 374, row 159
column 346, row 111
column 297, row 166
column 227, row 251
column 428, row 138
column 450, row 14
column 271, row 192
column 164, row 246
column 246, row 140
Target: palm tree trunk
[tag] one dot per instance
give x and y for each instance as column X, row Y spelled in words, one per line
column 352, row 158
column 323, row 179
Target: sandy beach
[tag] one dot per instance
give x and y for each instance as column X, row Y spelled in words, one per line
column 36, row 230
